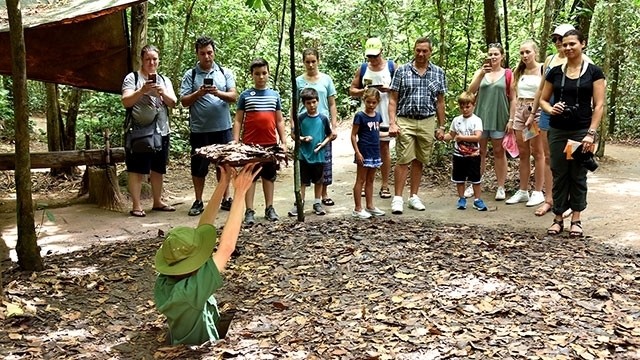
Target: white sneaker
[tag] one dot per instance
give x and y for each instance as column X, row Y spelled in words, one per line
column 415, row 203
column 468, row 192
column 397, row 205
column 536, row 198
column 518, row 197
column 375, row 212
column 362, row 214
column 500, row 195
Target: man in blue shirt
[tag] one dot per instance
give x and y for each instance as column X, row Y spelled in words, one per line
column 207, row 90
column 416, row 112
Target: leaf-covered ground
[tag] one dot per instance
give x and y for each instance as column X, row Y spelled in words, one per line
column 382, row 289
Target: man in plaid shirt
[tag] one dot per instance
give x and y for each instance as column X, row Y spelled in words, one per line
column 416, row 114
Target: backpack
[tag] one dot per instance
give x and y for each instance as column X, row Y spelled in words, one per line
column 363, row 69
column 508, row 76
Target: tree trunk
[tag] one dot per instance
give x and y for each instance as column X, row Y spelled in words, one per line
column 175, row 74
column 54, row 133
column 491, row 22
column 27, row 247
column 583, row 10
column 611, row 66
column 70, row 158
column 546, row 28
column 441, row 40
column 73, row 100
column 138, row 32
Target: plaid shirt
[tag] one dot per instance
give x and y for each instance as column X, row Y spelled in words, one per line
column 418, row 94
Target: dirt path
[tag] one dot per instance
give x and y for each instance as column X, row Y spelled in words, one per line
column 614, row 195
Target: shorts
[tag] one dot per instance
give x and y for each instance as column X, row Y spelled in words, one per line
column 145, row 163
column 310, row 173
column 415, row 140
column 384, row 129
column 545, row 118
column 328, row 165
column 466, row 168
column 523, row 110
column 200, row 165
column 268, row 172
column 493, row 134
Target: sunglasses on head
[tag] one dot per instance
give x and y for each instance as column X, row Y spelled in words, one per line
column 495, row 45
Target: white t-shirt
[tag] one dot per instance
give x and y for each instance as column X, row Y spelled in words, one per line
column 528, row 85
column 466, row 126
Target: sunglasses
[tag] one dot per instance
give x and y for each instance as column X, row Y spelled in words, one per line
column 556, row 38
column 495, row 45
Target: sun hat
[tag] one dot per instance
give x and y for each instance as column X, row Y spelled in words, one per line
column 373, row 47
column 185, row 249
column 562, row 29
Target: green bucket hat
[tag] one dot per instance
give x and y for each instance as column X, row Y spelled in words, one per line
column 185, row 249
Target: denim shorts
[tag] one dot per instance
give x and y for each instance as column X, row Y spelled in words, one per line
column 493, row 134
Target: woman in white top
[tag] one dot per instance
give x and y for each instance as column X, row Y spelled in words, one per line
column 527, row 78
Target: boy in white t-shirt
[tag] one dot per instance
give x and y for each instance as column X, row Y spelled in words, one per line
column 466, row 130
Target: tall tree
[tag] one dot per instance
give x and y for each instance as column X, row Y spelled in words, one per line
column 138, row 32
column 491, row 22
column 54, row 118
column 547, row 19
column 27, row 247
column 583, row 11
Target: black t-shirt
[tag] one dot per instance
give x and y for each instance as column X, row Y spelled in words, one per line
column 572, row 96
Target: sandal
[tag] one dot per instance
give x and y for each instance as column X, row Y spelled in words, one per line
column 543, row 209
column 363, row 194
column 385, row 193
column 137, row 213
column 553, row 231
column 328, row 202
column 576, row 233
column 164, row 208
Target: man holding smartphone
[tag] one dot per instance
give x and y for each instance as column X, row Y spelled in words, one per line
column 207, row 90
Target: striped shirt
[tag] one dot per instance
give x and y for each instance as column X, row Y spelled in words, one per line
column 418, row 94
column 260, row 108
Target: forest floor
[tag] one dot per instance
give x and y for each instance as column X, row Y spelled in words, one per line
column 437, row 284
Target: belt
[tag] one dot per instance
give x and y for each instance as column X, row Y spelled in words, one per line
column 416, row 117
column 525, row 100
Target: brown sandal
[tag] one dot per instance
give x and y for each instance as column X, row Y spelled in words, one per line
column 551, row 231
column 576, row 233
column 385, row 193
column 543, row 209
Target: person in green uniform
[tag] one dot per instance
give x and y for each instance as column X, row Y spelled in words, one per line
column 189, row 274
column 494, row 98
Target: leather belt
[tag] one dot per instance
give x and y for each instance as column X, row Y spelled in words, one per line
column 416, row 117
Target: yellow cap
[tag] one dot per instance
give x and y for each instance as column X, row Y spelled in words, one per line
column 373, row 47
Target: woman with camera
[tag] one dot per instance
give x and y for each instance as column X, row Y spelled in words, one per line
column 147, row 95
column 579, row 90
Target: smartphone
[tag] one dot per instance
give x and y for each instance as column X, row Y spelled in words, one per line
column 152, row 78
column 486, row 62
column 208, row 82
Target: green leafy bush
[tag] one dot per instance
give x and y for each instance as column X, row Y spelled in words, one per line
column 98, row 112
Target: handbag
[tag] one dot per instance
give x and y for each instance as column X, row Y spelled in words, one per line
column 143, row 139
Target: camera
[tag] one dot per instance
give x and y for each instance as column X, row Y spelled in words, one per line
column 208, row 82
column 570, row 112
column 152, row 78
column 585, row 159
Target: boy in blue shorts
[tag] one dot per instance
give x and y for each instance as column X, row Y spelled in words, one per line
column 189, row 274
column 466, row 130
column 259, row 117
column 315, row 133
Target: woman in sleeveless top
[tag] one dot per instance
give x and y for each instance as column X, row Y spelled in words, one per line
column 493, row 102
column 527, row 78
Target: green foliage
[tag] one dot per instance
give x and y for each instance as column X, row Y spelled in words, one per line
column 100, row 111
column 6, row 114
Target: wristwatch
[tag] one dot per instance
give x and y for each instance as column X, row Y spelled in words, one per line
column 591, row 132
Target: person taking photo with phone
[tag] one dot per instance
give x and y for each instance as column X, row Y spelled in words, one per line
column 207, row 90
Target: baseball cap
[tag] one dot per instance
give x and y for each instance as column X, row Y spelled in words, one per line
column 373, row 47
column 562, row 29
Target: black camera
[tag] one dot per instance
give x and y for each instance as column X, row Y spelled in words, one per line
column 585, row 159
column 570, row 112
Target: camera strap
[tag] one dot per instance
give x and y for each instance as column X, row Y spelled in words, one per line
column 564, row 76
